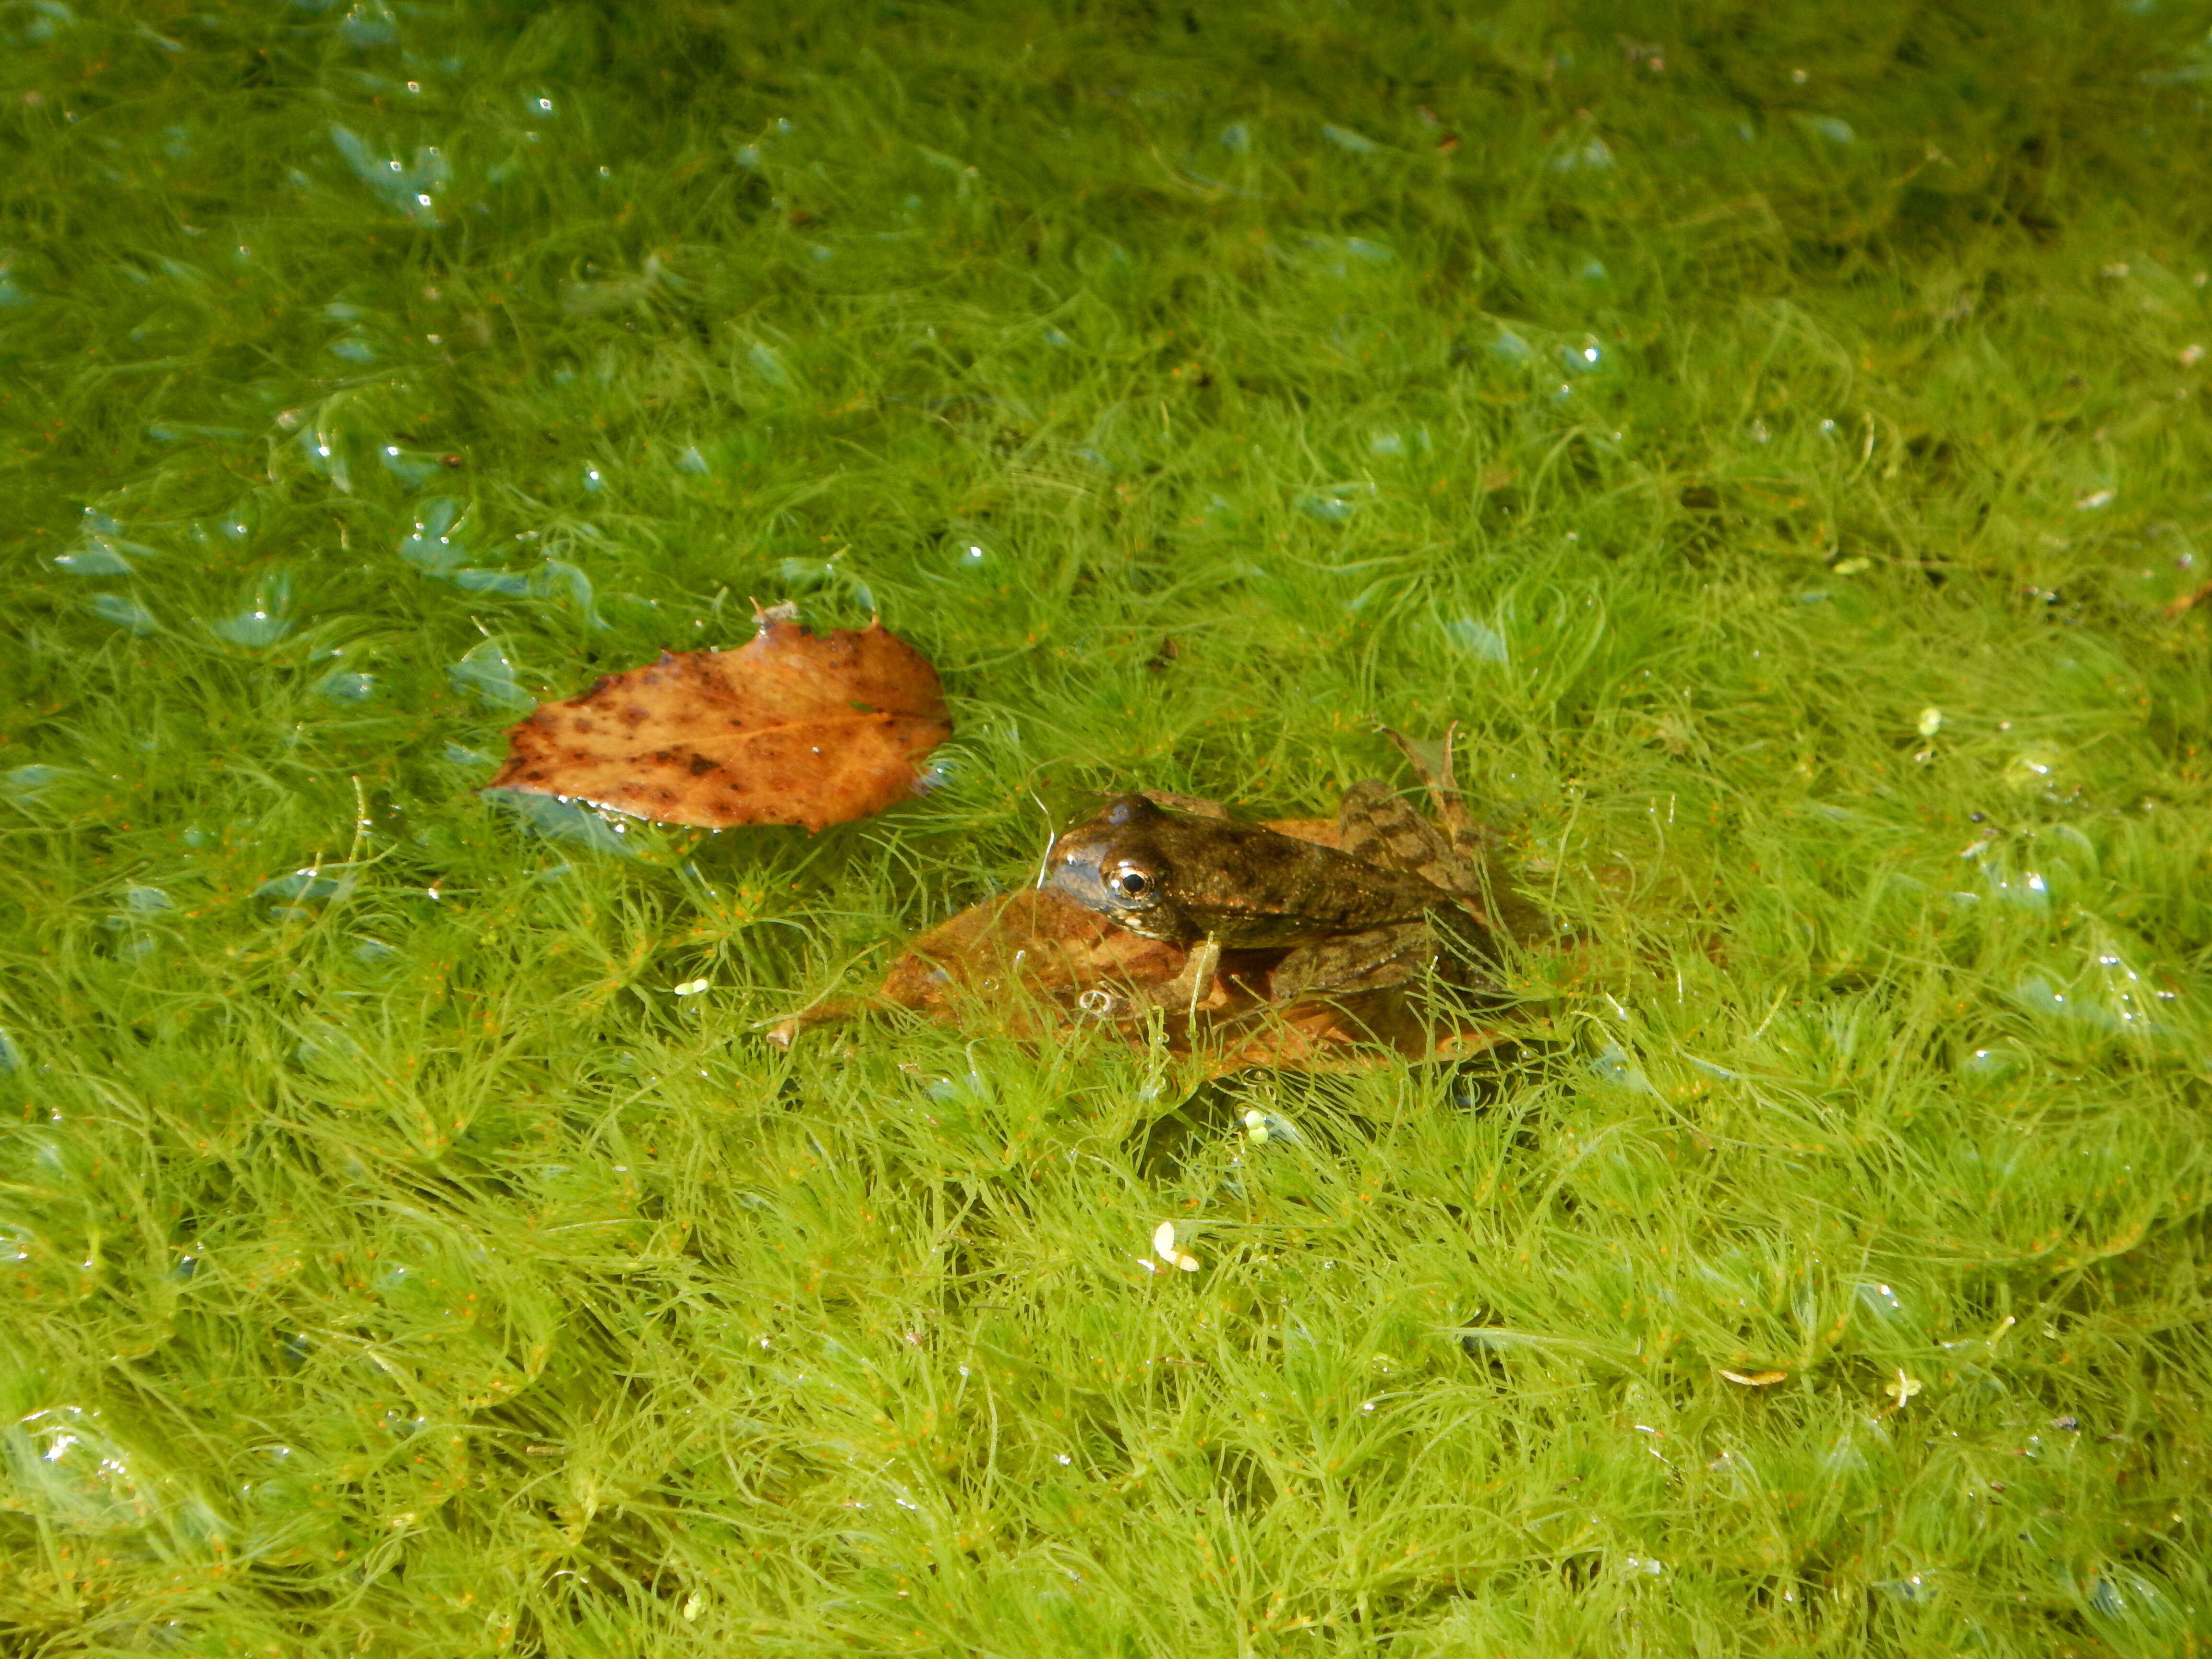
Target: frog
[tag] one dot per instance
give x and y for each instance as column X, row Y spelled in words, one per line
column 1393, row 900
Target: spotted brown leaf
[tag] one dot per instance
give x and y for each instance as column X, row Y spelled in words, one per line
column 791, row 727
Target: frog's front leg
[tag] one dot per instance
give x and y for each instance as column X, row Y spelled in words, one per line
column 1186, row 991
column 1189, row 988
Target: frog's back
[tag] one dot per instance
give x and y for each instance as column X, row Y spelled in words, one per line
column 1172, row 876
column 1251, row 886
column 1377, row 825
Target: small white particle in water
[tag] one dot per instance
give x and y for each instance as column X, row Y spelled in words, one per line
column 1164, row 1244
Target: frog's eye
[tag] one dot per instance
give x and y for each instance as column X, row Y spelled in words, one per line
column 1129, row 882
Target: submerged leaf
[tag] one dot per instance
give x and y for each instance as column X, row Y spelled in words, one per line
column 791, row 727
column 1035, row 964
column 1030, row 943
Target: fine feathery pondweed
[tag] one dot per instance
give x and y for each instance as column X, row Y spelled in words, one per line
column 1775, row 433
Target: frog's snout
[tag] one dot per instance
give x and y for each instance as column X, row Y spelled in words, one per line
column 1073, row 870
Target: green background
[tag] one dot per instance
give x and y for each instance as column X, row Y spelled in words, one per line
column 1775, row 432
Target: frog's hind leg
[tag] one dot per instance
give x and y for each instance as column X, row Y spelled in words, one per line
column 1379, row 827
column 1436, row 763
column 1190, row 988
column 1479, row 875
column 1352, row 963
column 1375, row 825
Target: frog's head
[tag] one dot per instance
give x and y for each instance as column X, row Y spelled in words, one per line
column 1114, row 865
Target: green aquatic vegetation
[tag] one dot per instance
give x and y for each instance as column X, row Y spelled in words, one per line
column 1775, row 434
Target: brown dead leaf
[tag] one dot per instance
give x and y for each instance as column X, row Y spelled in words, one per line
column 1031, row 962
column 1757, row 1379
column 1030, row 943
column 1347, row 1033
column 791, row 727
column 1031, row 955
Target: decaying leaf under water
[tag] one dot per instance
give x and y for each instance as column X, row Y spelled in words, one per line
column 1037, row 964
column 791, row 727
